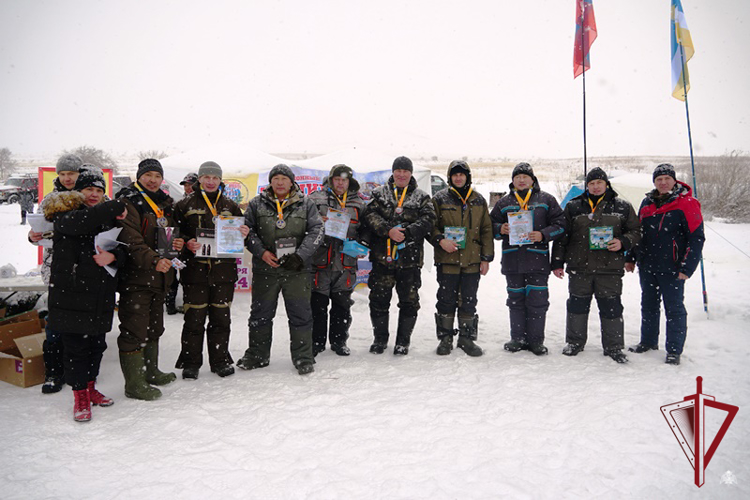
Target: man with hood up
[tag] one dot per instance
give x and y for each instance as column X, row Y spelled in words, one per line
column 208, row 283
column 464, row 248
column 285, row 231
column 667, row 256
column 145, row 281
column 527, row 266
column 601, row 228
column 67, row 169
column 399, row 218
column 334, row 272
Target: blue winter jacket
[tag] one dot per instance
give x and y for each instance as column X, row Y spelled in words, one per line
column 548, row 219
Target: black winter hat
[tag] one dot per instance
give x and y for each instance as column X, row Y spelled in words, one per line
column 190, row 179
column 523, row 168
column 345, row 172
column 69, row 163
column 459, row 167
column 281, row 169
column 402, row 163
column 149, row 165
column 665, row 169
column 597, row 174
column 90, row 176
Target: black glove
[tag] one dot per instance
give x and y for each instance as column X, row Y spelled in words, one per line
column 292, row 262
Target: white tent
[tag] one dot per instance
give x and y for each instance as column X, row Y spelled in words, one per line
column 364, row 161
column 632, row 187
column 248, row 167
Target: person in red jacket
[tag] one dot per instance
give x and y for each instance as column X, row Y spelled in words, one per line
column 668, row 254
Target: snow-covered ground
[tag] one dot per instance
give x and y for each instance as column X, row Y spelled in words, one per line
column 421, row 426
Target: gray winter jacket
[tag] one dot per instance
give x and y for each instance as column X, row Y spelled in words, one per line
column 302, row 222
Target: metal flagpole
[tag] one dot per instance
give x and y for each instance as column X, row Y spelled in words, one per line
column 692, row 164
column 583, row 64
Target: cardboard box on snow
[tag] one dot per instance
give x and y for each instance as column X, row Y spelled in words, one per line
column 21, row 338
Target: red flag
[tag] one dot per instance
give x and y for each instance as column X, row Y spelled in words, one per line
column 585, row 36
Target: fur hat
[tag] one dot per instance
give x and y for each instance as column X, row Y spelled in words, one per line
column 665, row 169
column 68, row 163
column 210, row 168
column 345, row 172
column 281, row 169
column 149, row 165
column 402, row 163
column 90, row 176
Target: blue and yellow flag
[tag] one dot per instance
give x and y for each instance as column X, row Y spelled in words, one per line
column 682, row 51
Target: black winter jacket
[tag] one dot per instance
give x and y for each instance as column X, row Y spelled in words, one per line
column 417, row 218
column 192, row 213
column 573, row 248
column 548, row 219
column 81, row 293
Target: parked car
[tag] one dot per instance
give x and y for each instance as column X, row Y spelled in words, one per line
column 10, row 192
column 119, row 182
column 438, row 183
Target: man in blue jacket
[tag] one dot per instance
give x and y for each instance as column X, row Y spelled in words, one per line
column 526, row 264
column 668, row 254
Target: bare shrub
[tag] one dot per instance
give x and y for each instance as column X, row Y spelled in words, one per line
column 723, row 185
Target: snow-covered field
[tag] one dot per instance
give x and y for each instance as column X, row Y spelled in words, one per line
column 421, row 426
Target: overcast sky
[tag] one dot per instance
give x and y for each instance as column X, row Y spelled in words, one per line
column 476, row 78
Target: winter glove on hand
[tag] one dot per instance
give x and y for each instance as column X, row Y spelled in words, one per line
column 292, row 262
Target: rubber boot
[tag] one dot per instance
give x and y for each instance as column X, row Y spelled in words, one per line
column 576, row 329
column 54, row 371
column 403, row 334
column 467, row 334
column 134, row 371
column 258, row 353
column 445, row 332
column 151, row 358
column 380, row 334
column 613, row 334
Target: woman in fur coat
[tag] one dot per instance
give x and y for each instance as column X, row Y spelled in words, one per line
column 82, row 291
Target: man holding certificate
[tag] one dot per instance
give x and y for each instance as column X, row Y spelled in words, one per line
column 601, row 228
column 335, row 270
column 527, row 219
column 464, row 248
column 208, row 280
column 399, row 218
column 145, row 280
column 285, row 230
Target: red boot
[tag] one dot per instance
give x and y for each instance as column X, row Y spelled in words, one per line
column 82, row 408
column 97, row 398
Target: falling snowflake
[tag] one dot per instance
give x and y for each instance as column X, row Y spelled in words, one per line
column 728, row 478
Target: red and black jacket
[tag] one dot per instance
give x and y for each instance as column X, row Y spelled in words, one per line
column 673, row 237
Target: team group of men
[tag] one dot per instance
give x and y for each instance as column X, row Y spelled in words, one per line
column 597, row 237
